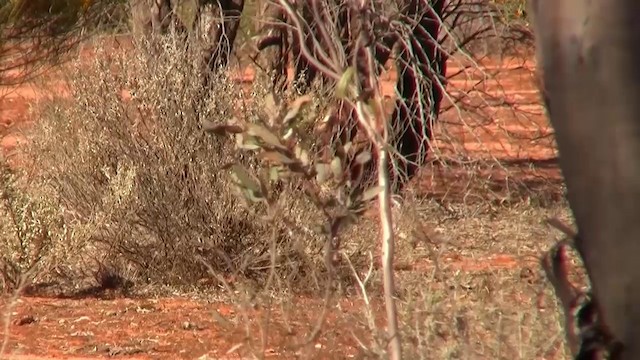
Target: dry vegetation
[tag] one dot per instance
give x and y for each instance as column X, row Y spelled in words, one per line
column 121, row 188
column 141, row 186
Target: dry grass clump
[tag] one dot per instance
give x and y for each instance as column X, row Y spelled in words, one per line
column 469, row 282
column 143, row 187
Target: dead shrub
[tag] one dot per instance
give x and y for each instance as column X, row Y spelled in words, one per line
column 139, row 182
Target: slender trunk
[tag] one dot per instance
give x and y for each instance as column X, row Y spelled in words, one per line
column 386, row 221
column 377, row 128
column 275, row 45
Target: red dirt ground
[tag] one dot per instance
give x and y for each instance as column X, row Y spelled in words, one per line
column 170, row 328
column 166, row 328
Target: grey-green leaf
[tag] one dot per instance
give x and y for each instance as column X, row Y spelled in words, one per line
column 336, row 167
column 264, row 134
column 276, row 158
column 244, row 179
column 270, row 105
column 363, row 157
column 322, row 173
column 372, row 192
column 274, row 174
column 345, row 81
column 295, row 108
column 248, row 143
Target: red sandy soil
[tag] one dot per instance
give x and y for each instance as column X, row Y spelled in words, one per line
column 183, row 328
column 166, row 328
column 171, row 328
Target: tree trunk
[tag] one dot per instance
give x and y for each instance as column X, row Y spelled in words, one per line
column 161, row 15
column 589, row 53
column 274, row 45
column 421, row 68
column 153, row 16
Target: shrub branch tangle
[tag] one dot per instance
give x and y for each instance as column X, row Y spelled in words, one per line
column 145, row 191
column 135, row 174
column 357, row 87
column 326, row 41
column 418, row 36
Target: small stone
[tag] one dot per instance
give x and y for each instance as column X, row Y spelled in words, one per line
column 25, row 320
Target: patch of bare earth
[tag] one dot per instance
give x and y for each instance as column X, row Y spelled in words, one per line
column 469, row 285
column 167, row 328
